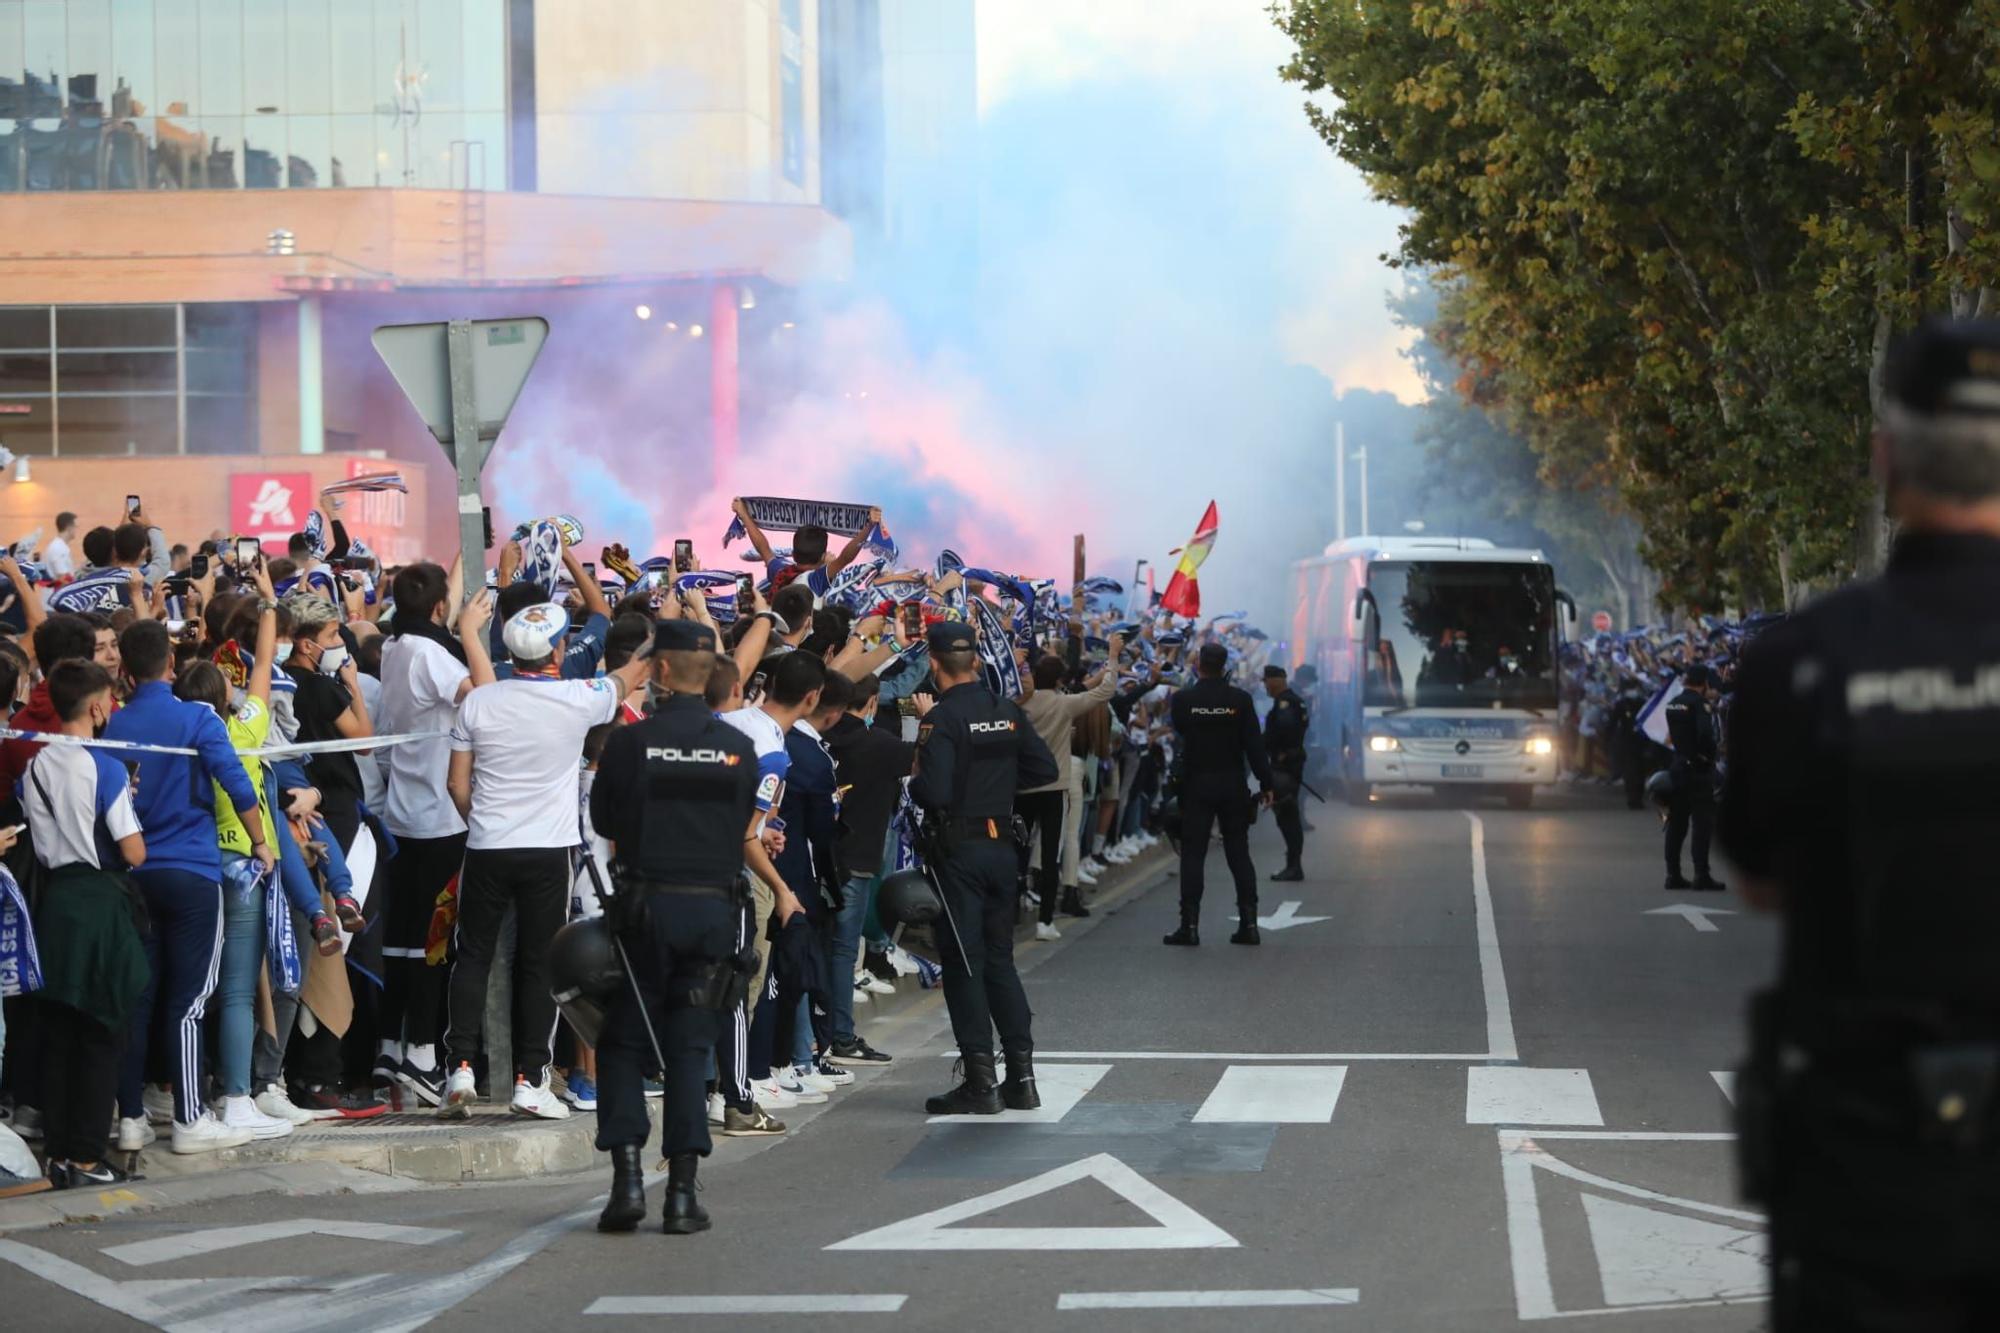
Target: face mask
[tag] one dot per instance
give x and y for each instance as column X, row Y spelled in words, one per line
column 283, row 654
column 333, row 659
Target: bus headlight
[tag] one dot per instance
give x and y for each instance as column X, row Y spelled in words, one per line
column 1383, row 744
column 1541, row 745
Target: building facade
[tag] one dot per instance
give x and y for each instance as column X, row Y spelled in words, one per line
column 209, row 204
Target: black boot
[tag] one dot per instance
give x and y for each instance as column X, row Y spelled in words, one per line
column 626, row 1208
column 1246, row 929
column 1291, row 874
column 683, row 1215
column 1189, row 934
column 979, row 1094
column 1677, row 881
column 1072, row 902
column 1018, row 1092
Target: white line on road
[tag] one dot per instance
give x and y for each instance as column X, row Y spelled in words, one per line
column 1515, row 1095
column 1274, row 1095
column 190, row 1244
column 1061, row 1086
column 1492, row 977
column 1204, row 1300
column 1240, row 1057
column 665, row 1305
column 1698, row 917
column 1726, row 1080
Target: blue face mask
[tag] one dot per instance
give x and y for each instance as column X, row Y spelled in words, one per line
column 282, row 654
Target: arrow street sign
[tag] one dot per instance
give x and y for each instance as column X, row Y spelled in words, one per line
column 463, row 377
column 1288, row 916
column 1698, row 917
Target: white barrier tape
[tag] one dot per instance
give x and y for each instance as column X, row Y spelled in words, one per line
column 263, row 752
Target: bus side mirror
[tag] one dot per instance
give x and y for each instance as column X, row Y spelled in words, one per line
column 1364, row 601
column 1568, row 604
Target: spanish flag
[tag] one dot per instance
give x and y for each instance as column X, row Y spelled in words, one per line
column 1183, row 594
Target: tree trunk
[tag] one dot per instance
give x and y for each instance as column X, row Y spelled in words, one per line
column 1872, row 533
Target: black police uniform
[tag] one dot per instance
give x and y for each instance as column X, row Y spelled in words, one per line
column 674, row 794
column 1285, row 742
column 1865, row 781
column 1218, row 729
column 1697, row 745
column 974, row 752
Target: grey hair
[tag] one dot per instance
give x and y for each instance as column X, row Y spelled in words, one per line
column 310, row 613
column 1952, row 457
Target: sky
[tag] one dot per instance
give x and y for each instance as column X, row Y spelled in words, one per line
column 1223, row 56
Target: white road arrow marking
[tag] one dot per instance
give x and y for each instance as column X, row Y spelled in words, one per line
column 1178, row 1227
column 1288, row 916
column 1698, row 917
column 187, row 1245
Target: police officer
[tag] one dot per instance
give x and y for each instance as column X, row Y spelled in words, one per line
column 1864, row 803
column 1218, row 730
column 1285, row 742
column 676, row 797
column 974, row 751
column 1697, row 744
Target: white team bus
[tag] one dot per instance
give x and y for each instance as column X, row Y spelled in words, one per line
column 1437, row 663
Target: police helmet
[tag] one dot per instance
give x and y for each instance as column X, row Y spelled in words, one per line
column 908, row 898
column 1660, row 789
column 584, row 972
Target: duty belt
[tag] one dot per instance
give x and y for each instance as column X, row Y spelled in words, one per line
column 644, row 888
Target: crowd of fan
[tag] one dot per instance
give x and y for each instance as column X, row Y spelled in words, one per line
column 275, row 884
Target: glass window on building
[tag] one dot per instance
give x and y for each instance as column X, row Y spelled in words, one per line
column 251, row 94
column 128, row 380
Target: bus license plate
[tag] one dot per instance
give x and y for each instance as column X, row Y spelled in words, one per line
column 1465, row 770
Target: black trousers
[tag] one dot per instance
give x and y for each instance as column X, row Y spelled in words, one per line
column 981, row 986
column 1285, row 805
column 1202, row 809
column 1043, row 811
column 81, row 1059
column 1690, row 810
column 671, row 935
column 412, row 990
column 732, row 1048
column 535, row 882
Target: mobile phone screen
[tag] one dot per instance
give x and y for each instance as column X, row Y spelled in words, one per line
column 683, row 555
column 590, row 569
column 198, row 567
column 247, row 551
column 913, row 619
column 131, row 504
column 746, row 592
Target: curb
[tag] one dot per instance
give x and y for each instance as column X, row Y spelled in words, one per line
column 336, row 1157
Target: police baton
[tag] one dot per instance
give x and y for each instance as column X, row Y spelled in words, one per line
column 606, row 896
column 1308, row 787
column 964, row 959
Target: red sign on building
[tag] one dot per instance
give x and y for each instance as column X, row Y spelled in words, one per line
column 269, row 505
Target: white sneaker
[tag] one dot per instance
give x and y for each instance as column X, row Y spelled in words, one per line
column 792, row 1083
column 1045, row 930
column 459, row 1094
column 207, row 1135
column 716, row 1108
column 861, row 996
column 242, row 1113
column 1147, row 839
column 1083, row 875
column 771, row 1097
column 158, row 1101
column 812, row 1080
column 134, row 1133
column 873, row 984
column 275, row 1102
column 900, row 959
column 532, row 1099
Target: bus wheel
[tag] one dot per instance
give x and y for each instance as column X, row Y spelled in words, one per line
column 1356, row 791
column 1520, row 796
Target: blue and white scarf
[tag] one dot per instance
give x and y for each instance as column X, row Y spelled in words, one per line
column 20, row 965
column 541, row 556
column 717, row 588
column 773, row 511
column 996, row 650
column 850, row 587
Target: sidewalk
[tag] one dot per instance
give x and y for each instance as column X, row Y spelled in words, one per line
column 494, row 1145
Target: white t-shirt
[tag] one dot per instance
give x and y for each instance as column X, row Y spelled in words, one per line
column 78, row 803
column 525, row 736
column 773, row 760
column 57, row 559
column 420, row 683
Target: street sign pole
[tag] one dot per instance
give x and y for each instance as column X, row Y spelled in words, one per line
column 468, row 455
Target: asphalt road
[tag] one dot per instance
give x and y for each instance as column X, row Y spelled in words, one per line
column 1471, row 1085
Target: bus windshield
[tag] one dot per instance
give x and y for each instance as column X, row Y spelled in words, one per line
column 1462, row 634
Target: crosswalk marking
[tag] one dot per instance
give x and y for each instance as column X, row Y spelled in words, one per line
column 1516, row 1095
column 1274, row 1095
column 1061, row 1086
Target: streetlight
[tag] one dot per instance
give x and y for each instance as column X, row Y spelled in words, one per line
column 1131, row 596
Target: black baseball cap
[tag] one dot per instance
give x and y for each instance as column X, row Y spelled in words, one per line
column 1947, row 367
column 949, row 636
column 682, row 636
